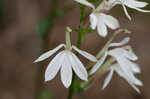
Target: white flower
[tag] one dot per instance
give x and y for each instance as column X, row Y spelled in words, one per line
column 125, row 67
column 100, row 20
column 134, row 4
column 65, row 61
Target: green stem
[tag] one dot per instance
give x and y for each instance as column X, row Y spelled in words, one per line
column 101, row 52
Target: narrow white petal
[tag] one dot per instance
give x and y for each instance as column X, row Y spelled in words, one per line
column 124, row 53
column 126, row 12
column 78, row 67
column 134, row 3
column 127, row 78
column 141, row 10
column 49, row 53
column 134, row 87
column 66, row 72
column 111, row 22
column 93, row 20
column 54, row 66
column 85, row 54
column 108, row 78
column 102, row 29
column 85, row 2
column 123, row 42
column 98, row 64
column 127, row 71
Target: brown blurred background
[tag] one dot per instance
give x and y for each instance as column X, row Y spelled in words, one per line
column 20, row 45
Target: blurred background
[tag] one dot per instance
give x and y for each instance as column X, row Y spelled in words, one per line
column 23, row 28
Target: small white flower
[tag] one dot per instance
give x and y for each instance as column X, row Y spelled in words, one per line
column 134, row 4
column 100, row 20
column 65, row 61
column 125, row 67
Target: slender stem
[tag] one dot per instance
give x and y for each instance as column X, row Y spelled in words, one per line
column 101, row 52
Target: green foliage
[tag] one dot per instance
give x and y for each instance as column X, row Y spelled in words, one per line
column 82, row 10
column 84, row 31
column 43, row 27
column 93, row 1
column 46, row 94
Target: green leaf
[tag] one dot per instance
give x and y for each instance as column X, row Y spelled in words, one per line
column 43, row 27
column 46, row 94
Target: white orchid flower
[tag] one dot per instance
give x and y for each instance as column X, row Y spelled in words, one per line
column 125, row 67
column 100, row 20
column 134, row 4
column 65, row 61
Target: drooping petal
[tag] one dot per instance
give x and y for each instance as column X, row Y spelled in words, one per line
column 85, row 2
column 111, row 22
column 123, row 42
column 128, row 74
column 134, row 87
column 108, row 78
column 49, row 53
column 126, row 12
column 121, row 73
column 102, row 29
column 98, row 64
column 66, row 72
column 141, row 10
column 93, row 20
column 85, row 54
column 78, row 67
column 134, row 3
column 122, row 52
column 54, row 66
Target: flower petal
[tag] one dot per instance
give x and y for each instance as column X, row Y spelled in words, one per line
column 108, row 78
column 85, row 2
column 127, row 72
column 98, row 64
column 54, row 66
column 141, row 10
column 134, row 87
column 49, row 53
column 93, row 20
column 128, row 76
column 123, row 42
column 134, row 3
column 111, row 22
column 126, row 12
column 122, row 52
column 135, row 68
column 85, row 54
column 102, row 29
column 66, row 72
column 78, row 67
